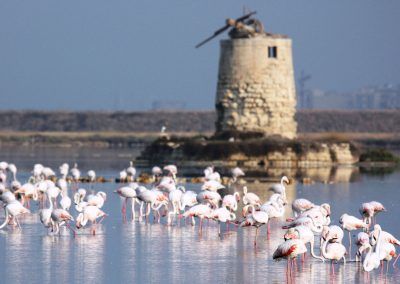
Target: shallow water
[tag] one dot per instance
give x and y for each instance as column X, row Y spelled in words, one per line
column 152, row 253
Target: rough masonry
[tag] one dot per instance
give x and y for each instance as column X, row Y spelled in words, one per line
column 256, row 87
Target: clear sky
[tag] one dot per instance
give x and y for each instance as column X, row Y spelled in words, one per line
column 102, row 54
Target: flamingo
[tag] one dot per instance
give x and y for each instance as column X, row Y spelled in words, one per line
column 3, row 177
column 332, row 233
column 92, row 177
column 280, row 187
column 13, row 169
column 79, row 196
column 172, row 171
column 256, row 219
column 236, row 172
column 231, row 201
column 188, row 198
column 306, row 221
column 212, row 185
column 351, row 223
column 290, row 249
column 76, row 175
column 250, row 198
column 166, row 184
column 28, row 191
column 152, row 198
column 333, row 251
column 175, row 197
column 45, row 216
column 131, row 171
column 156, row 172
column 97, row 199
column 64, row 169
column 12, row 211
column 211, row 197
column 274, row 208
column 378, row 207
column 222, row 215
column 60, row 217
column 90, row 213
column 319, row 215
column 200, row 211
column 300, row 205
column 211, row 175
column 385, row 236
column 37, row 172
column 128, row 192
column 363, row 244
column 367, row 211
column 52, row 193
column 65, row 201
column 306, row 235
column 372, row 258
column 3, row 166
column 386, row 253
column 48, row 173
column 7, row 197
column 123, row 176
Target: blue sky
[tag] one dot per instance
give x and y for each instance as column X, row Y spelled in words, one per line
column 99, row 54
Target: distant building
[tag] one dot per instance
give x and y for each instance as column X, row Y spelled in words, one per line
column 376, row 97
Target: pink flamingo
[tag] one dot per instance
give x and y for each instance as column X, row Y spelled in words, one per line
column 290, row 249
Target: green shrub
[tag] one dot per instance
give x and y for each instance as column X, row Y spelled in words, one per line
column 378, row 155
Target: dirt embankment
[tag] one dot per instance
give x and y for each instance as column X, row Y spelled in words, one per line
column 190, row 121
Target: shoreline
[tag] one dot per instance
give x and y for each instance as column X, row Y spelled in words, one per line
column 108, row 138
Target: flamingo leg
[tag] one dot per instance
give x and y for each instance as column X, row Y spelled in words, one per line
column 133, row 213
column 394, row 263
column 287, row 266
column 124, row 207
column 255, row 239
column 349, row 243
column 16, row 220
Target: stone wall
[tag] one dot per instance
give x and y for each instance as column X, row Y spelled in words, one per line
column 256, row 92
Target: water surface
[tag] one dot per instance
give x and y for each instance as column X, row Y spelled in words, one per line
column 141, row 252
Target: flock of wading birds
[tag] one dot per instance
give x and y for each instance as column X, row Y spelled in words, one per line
column 309, row 220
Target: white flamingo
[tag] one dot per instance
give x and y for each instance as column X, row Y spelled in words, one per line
column 256, row 219
column 90, row 213
column 230, row 201
column 12, row 211
column 250, row 198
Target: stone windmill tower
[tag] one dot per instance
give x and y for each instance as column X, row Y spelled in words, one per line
column 256, row 87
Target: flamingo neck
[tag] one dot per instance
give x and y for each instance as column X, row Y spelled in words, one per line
column 378, row 242
column 325, row 254
column 51, row 203
column 6, row 218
